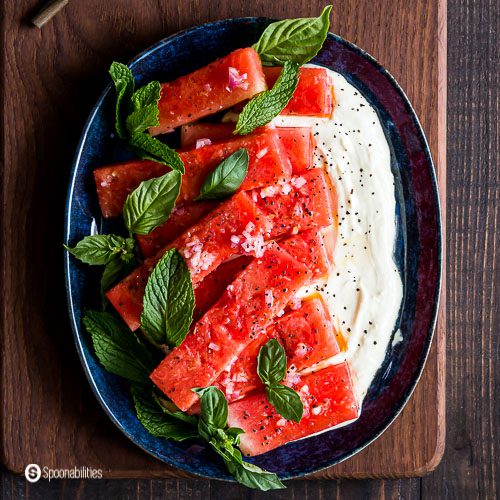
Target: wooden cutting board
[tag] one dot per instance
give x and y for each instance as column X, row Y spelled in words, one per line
column 50, row 80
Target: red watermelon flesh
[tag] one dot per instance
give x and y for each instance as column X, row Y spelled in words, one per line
column 268, row 164
column 115, row 182
column 297, row 141
column 208, row 291
column 204, row 246
column 313, row 248
column 328, row 400
column 313, row 204
column 245, row 309
column 214, row 132
column 182, row 217
column 307, row 335
column 314, row 93
column 217, row 86
column 307, row 201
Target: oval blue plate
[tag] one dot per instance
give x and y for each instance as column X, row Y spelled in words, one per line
column 417, row 251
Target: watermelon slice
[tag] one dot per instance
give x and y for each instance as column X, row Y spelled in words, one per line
column 215, row 132
column 297, row 141
column 245, row 309
column 182, row 217
column 314, row 93
column 328, row 400
column 204, row 245
column 217, row 86
column 314, row 249
column 208, row 291
column 307, row 201
column 301, row 209
column 307, row 335
column 268, row 164
column 115, row 182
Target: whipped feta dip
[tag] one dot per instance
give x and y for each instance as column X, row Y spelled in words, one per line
column 364, row 290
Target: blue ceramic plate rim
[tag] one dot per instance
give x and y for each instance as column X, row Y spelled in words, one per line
column 68, row 222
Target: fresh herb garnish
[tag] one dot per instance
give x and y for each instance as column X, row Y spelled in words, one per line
column 138, row 111
column 114, row 271
column 293, row 40
column 168, row 302
column 117, row 348
column 157, row 421
column 271, row 368
column 212, row 426
column 150, row 204
column 172, row 411
column 265, row 106
column 149, row 148
column 101, row 249
column 226, row 177
column 144, row 108
column 124, row 84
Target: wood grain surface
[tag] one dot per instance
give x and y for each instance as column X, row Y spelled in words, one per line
column 52, row 77
column 469, row 469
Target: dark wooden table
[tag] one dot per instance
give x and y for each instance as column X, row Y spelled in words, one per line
column 469, row 468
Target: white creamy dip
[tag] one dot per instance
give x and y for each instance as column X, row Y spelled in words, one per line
column 364, row 290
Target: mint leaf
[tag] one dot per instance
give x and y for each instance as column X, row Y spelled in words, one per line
column 150, row 204
column 146, row 95
column 214, row 407
column 135, row 113
column 143, row 118
column 285, row 401
column 168, row 301
column 150, row 148
column 124, row 85
column 117, row 348
column 145, row 108
column 294, row 40
column 265, row 106
column 226, row 177
column 156, row 421
column 114, row 271
column 100, row 249
column 271, row 362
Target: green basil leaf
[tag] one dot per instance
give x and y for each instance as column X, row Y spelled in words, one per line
column 124, row 83
column 150, row 148
column 168, row 301
column 157, row 422
column 100, row 249
column 115, row 271
column 234, row 434
column 285, row 401
column 265, row 106
column 252, row 476
column 214, row 407
column 294, row 40
column 117, row 348
column 271, row 362
column 246, row 473
column 172, row 411
column 226, row 177
column 206, row 431
column 151, row 203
